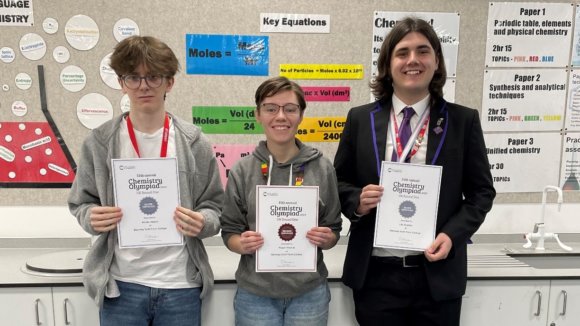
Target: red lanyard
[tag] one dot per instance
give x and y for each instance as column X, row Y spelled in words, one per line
column 164, row 140
column 418, row 140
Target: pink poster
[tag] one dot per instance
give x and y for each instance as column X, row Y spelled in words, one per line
column 326, row 94
column 228, row 154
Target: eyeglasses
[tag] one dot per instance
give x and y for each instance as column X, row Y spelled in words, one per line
column 134, row 81
column 289, row 109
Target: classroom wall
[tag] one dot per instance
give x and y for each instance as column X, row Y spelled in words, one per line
column 41, row 211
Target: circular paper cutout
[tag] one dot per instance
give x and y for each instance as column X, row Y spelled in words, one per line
column 81, row 32
column 61, row 54
column 93, row 110
column 108, row 75
column 32, row 46
column 23, row 81
column 124, row 28
column 125, row 103
column 19, row 108
column 7, row 54
column 73, row 78
column 50, row 25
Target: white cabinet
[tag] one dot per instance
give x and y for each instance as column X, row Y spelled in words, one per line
column 26, row 306
column 46, row 306
column 521, row 302
column 505, row 302
column 564, row 303
column 73, row 307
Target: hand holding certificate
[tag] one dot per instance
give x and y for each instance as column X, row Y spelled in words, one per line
column 283, row 217
column 147, row 190
column 407, row 212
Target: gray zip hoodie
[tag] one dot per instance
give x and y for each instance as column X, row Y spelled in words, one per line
column 239, row 214
column 200, row 190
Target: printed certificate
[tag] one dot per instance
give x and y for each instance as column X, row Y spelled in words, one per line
column 147, row 191
column 407, row 212
column 283, row 216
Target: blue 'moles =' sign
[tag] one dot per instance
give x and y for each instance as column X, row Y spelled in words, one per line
column 209, row 54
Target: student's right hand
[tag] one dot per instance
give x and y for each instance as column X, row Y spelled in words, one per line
column 369, row 198
column 105, row 218
column 250, row 241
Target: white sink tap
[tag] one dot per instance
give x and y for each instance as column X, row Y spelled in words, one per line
column 539, row 232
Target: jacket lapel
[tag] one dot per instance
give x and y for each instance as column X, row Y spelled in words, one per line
column 436, row 130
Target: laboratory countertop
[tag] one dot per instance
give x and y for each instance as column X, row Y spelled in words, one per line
column 486, row 261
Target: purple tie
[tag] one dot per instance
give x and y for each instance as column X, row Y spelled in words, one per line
column 404, row 132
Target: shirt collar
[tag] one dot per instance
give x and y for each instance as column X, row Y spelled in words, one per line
column 419, row 107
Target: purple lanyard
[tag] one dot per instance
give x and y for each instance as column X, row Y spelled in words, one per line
column 375, row 146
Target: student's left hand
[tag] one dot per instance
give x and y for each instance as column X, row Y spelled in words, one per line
column 188, row 222
column 440, row 248
column 322, row 237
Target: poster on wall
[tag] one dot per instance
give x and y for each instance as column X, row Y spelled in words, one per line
column 573, row 107
column 528, row 34
column 523, row 99
column 212, row 54
column 228, row 154
column 445, row 24
column 575, row 59
column 294, row 23
column 570, row 169
column 16, row 13
column 523, row 162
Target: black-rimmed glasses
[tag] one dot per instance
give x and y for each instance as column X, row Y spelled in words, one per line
column 134, row 81
column 273, row 109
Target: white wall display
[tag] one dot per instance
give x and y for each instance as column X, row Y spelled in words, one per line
column 573, row 108
column 124, row 28
column 523, row 162
column 575, row 59
column 125, row 103
column 32, row 46
column 449, row 90
column 61, row 54
column 528, row 34
column 445, row 24
column 524, row 99
column 93, row 110
column 81, row 32
column 570, row 169
column 7, row 54
column 108, row 75
column 19, row 108
column 23, row 81
column 294, row 23
column 50, row 25
column 73, row 78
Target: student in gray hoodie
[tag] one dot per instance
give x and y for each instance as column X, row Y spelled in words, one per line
column 279, row 298
column 153, row 285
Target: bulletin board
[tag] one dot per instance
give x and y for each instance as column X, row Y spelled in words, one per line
column 55, row 85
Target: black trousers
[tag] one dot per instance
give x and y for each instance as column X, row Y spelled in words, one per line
column 397, row 295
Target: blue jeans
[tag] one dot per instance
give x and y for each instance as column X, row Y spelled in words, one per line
column 308, row 309
column 141, row 305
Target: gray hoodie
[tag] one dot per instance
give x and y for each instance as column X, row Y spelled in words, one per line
column 200, row 190
column 239, row 214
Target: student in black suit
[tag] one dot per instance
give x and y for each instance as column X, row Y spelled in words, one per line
column 401, row 287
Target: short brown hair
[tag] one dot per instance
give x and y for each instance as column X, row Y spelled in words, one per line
column 133, row 51
column 383, row 84
column 277, row 85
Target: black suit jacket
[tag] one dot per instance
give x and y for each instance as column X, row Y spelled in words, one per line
column 466, row 193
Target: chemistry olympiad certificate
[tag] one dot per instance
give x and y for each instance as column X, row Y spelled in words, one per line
column 147, row 191
column 283, row 216
column 407, row 212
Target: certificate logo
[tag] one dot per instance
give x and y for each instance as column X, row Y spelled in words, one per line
column 407, row 209
column 287, row 232
column 148, row 205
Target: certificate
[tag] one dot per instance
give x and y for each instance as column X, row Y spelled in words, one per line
column 407, row 212
column 283, row 216
column 147, row 191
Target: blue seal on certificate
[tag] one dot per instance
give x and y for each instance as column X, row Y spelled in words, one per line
column 407, row 209
column 148, row 205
